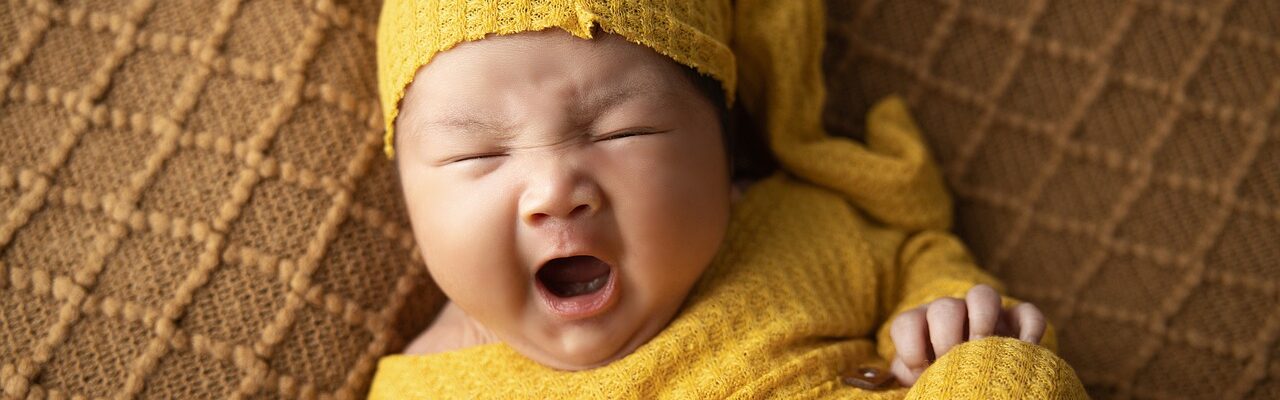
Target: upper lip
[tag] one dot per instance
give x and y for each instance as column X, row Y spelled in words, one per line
column 563, row 239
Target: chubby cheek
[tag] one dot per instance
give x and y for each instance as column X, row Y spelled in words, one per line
column 672, row 213
column 465, row 239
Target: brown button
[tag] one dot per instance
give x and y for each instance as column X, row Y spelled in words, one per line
column 870, row 378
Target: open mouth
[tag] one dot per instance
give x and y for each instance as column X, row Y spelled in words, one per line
column 574, row 276
column 576, row 287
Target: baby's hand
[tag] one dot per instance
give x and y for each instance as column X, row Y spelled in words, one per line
column 923, row 334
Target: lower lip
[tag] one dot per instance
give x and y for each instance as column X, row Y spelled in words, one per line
column 583, row 306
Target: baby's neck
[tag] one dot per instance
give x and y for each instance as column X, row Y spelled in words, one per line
column 452, row 330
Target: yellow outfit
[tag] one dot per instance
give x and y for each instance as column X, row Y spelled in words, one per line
column 817, row 259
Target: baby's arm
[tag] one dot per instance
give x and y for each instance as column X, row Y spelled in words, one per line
column 943, row 300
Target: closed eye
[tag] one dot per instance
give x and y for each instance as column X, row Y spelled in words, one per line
column 627, row 134
column 620, row 135
column 474, row 157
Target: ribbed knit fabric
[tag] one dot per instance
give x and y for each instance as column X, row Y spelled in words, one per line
column 1006, row 366
column 817, row 260
column 779, row 48
column 800, row 292
column 692, row 32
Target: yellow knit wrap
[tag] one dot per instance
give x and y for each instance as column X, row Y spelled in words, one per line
column 692, row 32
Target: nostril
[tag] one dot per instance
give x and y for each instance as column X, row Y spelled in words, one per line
column 578, row 211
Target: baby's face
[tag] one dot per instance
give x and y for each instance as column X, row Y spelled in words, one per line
column 566, row 193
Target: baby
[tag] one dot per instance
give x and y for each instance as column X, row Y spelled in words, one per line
column 565, row 193
column 569, row 188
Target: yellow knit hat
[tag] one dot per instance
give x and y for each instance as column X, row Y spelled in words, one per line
column 410, row 32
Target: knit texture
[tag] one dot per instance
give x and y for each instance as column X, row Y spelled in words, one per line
column 694, row 33
column 1115, row 162
column 801, row 291
column 194, row 203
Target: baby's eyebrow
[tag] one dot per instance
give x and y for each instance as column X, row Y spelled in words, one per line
column 593, row 106
column 469, row 124
column 497, row 128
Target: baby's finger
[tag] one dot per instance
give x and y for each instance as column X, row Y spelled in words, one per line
column 910, row 336
column 1030, row 322
column 905, row 375
column 984, row 310
column 946, row 320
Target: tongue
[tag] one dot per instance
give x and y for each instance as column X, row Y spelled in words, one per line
column 572, row 276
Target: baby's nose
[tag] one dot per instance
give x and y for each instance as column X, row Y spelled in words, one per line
column 559, row 194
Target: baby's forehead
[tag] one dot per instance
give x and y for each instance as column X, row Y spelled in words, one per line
column 586, row 107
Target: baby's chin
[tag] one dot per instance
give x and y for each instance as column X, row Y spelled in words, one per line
column 588, row 345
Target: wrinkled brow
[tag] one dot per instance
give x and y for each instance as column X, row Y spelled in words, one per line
column 468, row 123
column 584, row 111
column 457, row 122
column 596, row 105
